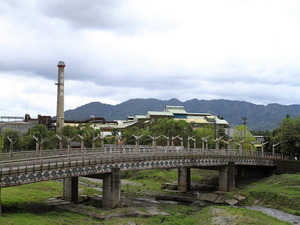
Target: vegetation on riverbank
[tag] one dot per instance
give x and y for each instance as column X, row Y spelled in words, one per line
column 26, row 204
column 278, row 191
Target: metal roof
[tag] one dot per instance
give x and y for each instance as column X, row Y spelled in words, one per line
column 219, row 121
column 141, row 117
column 158, row 113
column 199, row 114
column 175, row 109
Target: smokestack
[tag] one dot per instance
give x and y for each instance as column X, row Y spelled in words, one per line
column 60, row 97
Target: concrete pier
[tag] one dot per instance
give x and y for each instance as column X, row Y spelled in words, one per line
column 227, row 177
column 184, row 179
column 70, row 189
column 111, row 189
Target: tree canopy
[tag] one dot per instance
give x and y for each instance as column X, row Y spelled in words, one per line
column 288, row 135
column 241, row 134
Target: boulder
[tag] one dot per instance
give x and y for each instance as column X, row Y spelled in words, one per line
column 220, row 199
column 231, row 202
column 211, row 197
column 202, row 196
column 239, row 197
column 142, row 214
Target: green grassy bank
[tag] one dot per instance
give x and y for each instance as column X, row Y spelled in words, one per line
column 25, row 204
column 278, row 191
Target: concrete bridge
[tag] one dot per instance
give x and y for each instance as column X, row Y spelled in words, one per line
column 107, row 162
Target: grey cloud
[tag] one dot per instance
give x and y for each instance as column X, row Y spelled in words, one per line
column 117, row 15
column 91, row 13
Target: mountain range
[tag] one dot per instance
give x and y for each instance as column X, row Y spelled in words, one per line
column 259, row 117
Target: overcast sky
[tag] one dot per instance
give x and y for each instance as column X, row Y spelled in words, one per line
column 115, row 50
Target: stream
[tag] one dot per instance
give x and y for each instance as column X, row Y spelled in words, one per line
column 276, row 213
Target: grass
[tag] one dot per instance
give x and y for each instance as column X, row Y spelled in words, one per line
column 36, row 192
column 25, row 204
column 150, row 180
column 89, row 191
column 60, row 218
column 168, row 175
column 278, row 191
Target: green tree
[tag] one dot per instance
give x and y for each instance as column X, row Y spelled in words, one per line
column 42, row 134
column 242, row 134
column 70, row 131
column 128, row 137
column 170, row 127
column 88, row 133
column 14, row 136
column 288, row 135
column 203, row 132
column 1, row 144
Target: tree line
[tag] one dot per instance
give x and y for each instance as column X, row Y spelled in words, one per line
column 286, row 136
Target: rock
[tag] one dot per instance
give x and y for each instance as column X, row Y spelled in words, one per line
column 83, row 206
column 239, row 197
column 231, row 202
column 220, row 199
column 153, row 212
column 142, row 214
column 130, row 222
column 65, row 203
column 164, row 214
column 201, row 204
column 211, row 197
column 255, row 202
column 202, row 197
column 53, row 199
column 97, row 216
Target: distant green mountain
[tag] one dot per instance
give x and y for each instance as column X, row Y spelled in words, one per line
column 259, row 117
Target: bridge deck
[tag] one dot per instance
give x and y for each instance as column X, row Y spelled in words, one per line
column 27, row 167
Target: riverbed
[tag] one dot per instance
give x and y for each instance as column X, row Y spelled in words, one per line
column 294, row 219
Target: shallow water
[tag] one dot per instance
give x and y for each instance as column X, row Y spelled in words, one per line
column 276, row 213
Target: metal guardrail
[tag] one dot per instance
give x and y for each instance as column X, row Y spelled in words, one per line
column 116, row 149
column 23, row 162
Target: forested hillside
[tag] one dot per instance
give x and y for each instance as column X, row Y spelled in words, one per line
column 259, row 117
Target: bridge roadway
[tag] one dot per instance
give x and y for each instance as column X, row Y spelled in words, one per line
column 107, row 163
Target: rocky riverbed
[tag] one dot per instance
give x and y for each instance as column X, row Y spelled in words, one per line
column 150, row 205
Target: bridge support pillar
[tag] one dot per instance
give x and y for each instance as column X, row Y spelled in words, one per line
column 70, row 189
column 227, row 177
column 111, row 189
column 184, row 179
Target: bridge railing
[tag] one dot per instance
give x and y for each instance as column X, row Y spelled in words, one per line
column 129, row 149
column 62, row 159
